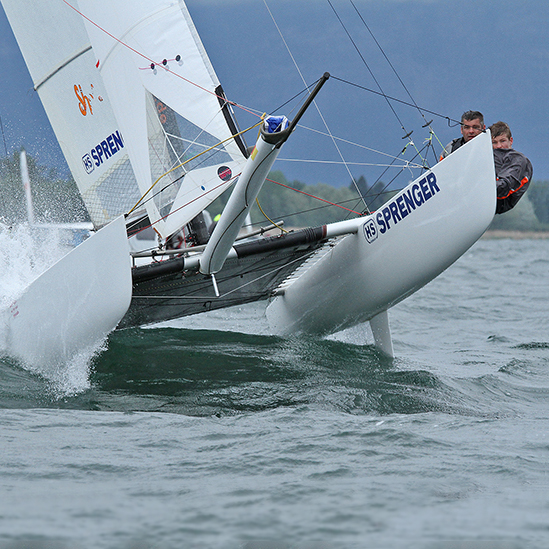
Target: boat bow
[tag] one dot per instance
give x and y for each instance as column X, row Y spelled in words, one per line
column 413, row 238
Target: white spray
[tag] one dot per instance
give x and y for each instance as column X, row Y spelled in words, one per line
column 25, row 253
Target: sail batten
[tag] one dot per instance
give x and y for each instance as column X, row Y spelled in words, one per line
column 61, row 66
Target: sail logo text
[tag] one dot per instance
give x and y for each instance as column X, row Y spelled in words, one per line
column 107, row 148
column 406, row 202
column 85, row 101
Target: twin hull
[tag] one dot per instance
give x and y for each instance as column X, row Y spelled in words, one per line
column 389, row 255
column 73, row 305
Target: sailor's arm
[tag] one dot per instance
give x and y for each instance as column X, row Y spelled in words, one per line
column 514, row 175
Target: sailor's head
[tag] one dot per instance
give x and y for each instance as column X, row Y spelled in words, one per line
column 501, row 136
column 472, row 124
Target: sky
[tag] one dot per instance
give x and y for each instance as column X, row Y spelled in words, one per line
column 445, row 56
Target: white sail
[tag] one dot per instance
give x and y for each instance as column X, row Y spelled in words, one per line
column 165, row 96
column 56, row 48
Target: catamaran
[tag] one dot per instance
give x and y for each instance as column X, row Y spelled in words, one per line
column 151, row 141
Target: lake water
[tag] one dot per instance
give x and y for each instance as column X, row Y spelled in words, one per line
column 211, row 433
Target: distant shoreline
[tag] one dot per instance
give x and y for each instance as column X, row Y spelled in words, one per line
column 516, row 235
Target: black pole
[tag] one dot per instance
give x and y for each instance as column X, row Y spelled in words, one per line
column 304, row 107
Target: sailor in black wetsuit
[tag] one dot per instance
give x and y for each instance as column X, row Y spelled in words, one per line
column 513, row 169
column 472, row 124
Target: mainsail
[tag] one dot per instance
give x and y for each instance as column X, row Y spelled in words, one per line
column 168, row 103
column 58, row 54
column 141, row 118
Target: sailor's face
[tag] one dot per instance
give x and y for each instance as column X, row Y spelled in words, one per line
column 502, row 142
column 471, row 128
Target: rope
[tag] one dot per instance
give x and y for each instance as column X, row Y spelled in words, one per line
column 315, row 103
column 268, row 218
column 189, row 160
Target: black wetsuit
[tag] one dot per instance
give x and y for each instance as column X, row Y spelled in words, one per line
column 452, row 146
column 513, row 176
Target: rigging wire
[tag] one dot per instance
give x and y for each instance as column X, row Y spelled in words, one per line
column 385, row 190
column 143, row 201
column 184, row 205
column 140, row 201
column 406, row 164
column 251, row 111
column 348, row 142
column 315, row 103
column 427, row 124
column 407, row 135
column 354, row 84
column 328, row 205
column 312, row 196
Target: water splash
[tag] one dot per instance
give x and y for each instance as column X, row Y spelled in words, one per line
column 25, row 253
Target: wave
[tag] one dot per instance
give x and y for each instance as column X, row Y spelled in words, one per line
column 205, row 372
column 209, row 372
column 477, row 357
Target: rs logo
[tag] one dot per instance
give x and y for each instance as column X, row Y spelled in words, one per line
column 370, row 230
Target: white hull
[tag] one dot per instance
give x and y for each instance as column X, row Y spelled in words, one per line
column 396, row 250
column 74, row 304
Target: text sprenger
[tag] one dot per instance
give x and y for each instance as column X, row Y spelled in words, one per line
column 107, row 148
column 407, row 202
